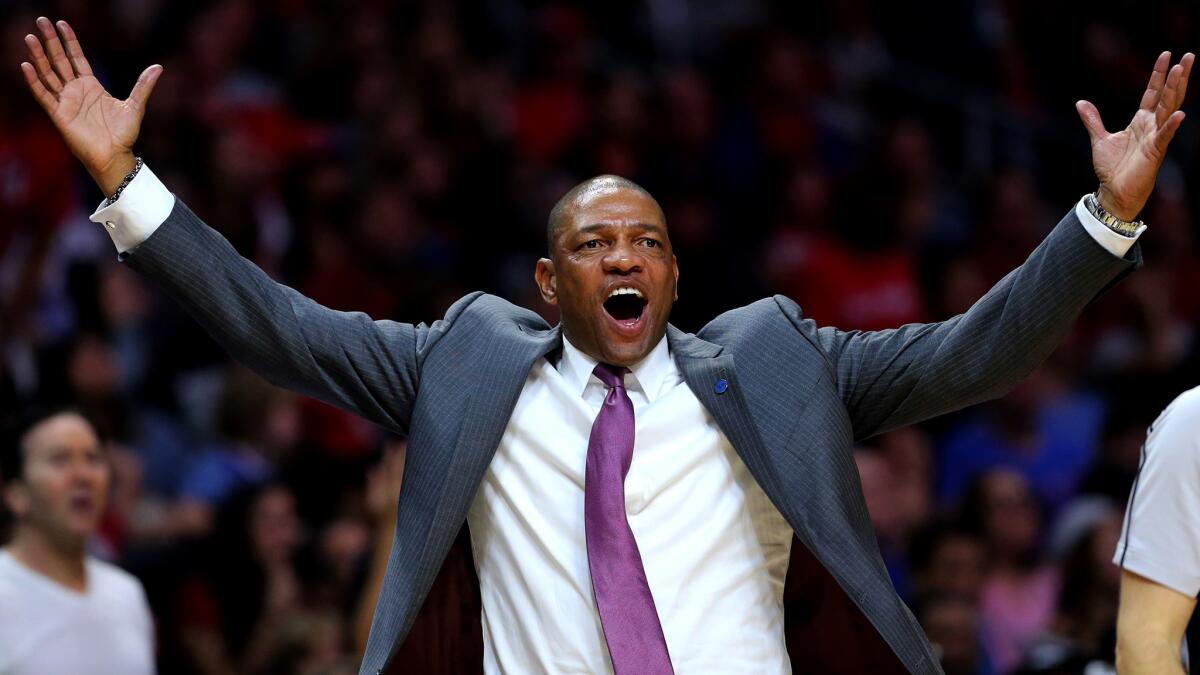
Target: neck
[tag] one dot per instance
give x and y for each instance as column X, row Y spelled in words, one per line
column 60, row 560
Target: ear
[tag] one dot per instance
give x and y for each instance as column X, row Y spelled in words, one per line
column 16, row 497
column 675, row 269
column 545, row 278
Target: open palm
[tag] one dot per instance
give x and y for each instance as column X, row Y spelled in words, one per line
column 99, row 129
column 1127, row 162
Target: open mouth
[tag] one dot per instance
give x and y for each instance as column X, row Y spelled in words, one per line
column 82, row 503
column 626, row 306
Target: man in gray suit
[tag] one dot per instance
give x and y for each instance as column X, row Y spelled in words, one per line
column 631, row 490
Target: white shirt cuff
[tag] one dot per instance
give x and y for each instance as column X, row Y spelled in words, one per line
column 143, row 206
column 1116, row 243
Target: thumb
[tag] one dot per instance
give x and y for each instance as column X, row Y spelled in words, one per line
column 1091, row 120
column 145, row 85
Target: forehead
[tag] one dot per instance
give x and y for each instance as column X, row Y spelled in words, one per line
column 614, row 205
column 65, row 430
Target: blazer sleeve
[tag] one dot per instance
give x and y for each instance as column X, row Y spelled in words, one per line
column 896, row 377
column 370, row 368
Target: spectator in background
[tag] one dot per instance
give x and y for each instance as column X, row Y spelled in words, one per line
column 62, row 610
column 895, row 484
column 236, row 608
column 258, row 425
column 909, row 457
column 446, row 638
column 947, row 560
column 860, row 270
column 94, row 381
column 948, row 564
column 308, row 643
column 1044, row 430
column 1082, row 633
column 953, row 624
column 1120, row 449
column 878, row 490
column 1019, row 593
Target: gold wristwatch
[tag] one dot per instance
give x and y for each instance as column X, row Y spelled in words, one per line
column 1121, row 227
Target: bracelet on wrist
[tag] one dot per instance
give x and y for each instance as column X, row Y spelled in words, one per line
column 137, row 166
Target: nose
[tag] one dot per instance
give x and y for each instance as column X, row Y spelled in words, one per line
column 84, row 475
column 86, row 472
column 622, row 259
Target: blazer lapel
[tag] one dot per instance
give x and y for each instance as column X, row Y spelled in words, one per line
column 485, row 414
column 490, row 405
column 710, row 373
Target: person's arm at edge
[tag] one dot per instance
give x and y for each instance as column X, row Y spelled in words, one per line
column 1151, row 622
column 1159, row 548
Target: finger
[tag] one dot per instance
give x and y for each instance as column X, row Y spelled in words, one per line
column 40, row 93
column 1185, row 65
column 74, row 50
column 1166, row 102
column 44, row 71
column 1157, row 78
column 54, row 49
column 145, row 85
column 1162, row 138
column 1091, row 120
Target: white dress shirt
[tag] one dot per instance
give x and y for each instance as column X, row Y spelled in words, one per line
column 715, row 549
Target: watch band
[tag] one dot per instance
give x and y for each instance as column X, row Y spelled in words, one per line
column 1121, row 227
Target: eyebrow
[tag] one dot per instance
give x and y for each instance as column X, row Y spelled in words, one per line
column 97, row 447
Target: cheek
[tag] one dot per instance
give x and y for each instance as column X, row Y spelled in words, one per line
column 49, row 481
column 102, row 477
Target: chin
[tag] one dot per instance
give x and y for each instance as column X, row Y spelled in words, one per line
column 81, row 527
column 624, row 352
column 625, row 358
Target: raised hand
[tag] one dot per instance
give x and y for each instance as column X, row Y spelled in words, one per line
column 98, row 129
column 1127, row 162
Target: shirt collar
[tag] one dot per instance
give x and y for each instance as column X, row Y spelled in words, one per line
column 648, row 374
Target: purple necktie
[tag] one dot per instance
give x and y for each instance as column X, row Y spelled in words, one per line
column 631, row 628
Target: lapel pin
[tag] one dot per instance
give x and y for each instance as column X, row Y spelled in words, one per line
column 721, row 386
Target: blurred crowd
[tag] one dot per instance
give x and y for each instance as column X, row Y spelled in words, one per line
column 878, row 163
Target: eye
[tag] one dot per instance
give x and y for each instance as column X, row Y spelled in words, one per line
column 652, row 243
column 591, row 243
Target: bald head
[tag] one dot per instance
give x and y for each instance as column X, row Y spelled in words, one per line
column 582, row 193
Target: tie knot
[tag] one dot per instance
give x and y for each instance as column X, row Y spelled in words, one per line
column 611, row 376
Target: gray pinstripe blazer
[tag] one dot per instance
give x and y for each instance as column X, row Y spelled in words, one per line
column 798, row 398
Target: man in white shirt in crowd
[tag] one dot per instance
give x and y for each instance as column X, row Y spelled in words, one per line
column 1159, row 549
column 61, row 610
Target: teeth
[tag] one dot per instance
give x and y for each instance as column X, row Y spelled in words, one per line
column 625, row 290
